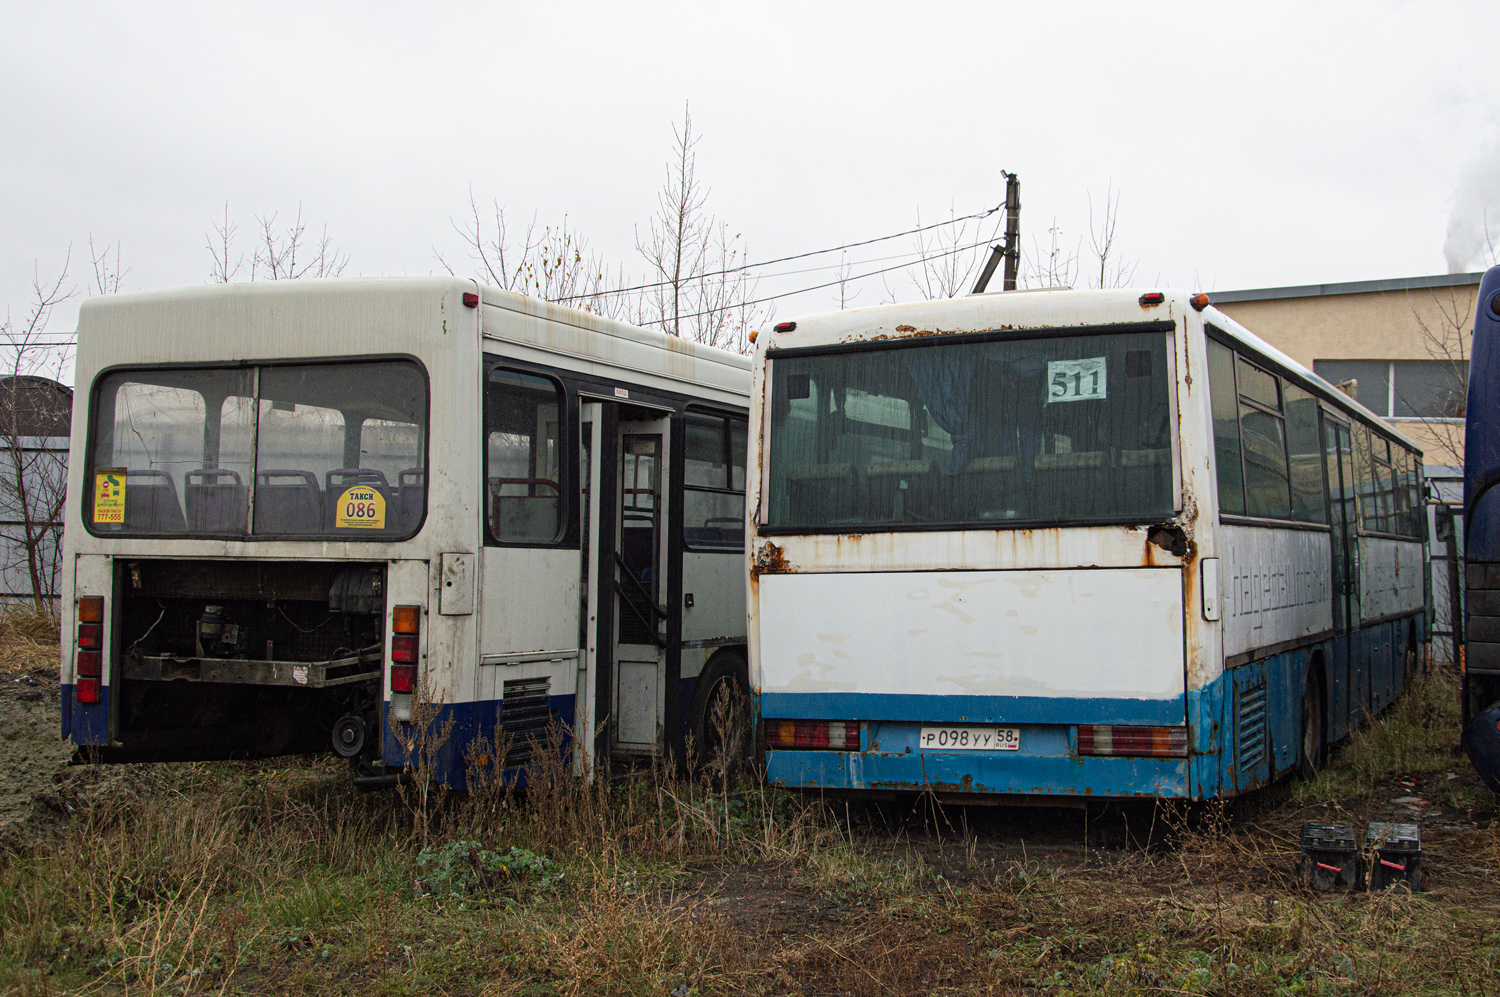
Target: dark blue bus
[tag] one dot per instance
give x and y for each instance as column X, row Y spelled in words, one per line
column 1481, row 676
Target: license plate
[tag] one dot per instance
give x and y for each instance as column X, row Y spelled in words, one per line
column 970, row 739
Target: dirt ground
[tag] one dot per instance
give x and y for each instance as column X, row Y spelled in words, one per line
column 33, row 755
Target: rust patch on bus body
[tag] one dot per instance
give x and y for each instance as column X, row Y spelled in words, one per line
column 770, row 560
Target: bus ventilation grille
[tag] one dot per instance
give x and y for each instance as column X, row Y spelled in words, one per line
column 525, row 711
column 1250, row 730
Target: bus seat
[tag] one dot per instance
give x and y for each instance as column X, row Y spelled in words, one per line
column 1146, row 458
column 532, row 516
column 347, row 477
column 151, row 504
column 288, row 501
column 411, row 487
column 719, row 532
column 216, row 500
column 990, row 465
column 1069, row 461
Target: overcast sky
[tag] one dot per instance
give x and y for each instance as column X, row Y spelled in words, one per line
column 1279, row 144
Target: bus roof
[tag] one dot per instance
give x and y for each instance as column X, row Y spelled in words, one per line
column 1046, row 308
column 171, row 325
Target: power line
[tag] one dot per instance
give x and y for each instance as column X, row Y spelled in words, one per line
column 833, row 283
column 786, row 259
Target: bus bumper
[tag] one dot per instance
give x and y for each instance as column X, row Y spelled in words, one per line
column 980, row 773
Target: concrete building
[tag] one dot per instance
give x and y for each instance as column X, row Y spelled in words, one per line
column 1403, row 342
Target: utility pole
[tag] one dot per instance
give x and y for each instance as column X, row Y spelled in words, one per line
column 1010, row 250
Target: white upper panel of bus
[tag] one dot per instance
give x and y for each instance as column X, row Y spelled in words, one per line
column 1038, row 309
column 271, row 320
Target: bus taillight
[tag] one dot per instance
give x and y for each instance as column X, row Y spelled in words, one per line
column 87, row 663
column 406, row 626
column 840, row 734
column 1147, row 742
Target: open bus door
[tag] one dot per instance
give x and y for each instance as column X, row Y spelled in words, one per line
column 627, row 614
column 1348, row 686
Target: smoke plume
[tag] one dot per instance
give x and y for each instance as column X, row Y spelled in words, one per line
column 1474, row 226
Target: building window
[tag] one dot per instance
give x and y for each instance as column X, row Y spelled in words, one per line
column 1403, row 389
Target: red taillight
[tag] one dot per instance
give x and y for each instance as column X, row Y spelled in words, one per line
column 404, row 648
column 841, row 735
column 1152, row 298
column 91, row 635
column 1147, row 742
column 88, row 665
column 471, row 300
column 406, row 626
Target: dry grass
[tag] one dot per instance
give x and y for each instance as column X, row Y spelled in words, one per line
column 26, row 635
column 260, row 878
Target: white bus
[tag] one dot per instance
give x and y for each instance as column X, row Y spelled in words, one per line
column 1068, row 544
column 294, row 506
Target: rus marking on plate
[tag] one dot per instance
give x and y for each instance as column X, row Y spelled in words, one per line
column 970, row 739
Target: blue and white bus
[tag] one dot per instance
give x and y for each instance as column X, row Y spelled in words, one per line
column 295, row 508
column 1068, row 544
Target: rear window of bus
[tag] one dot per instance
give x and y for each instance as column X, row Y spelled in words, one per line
column 334, row 451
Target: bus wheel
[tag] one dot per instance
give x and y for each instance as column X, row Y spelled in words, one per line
column 720, row 723
column 1314, row 731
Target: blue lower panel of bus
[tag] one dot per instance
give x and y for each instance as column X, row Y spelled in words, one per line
column 86, row 723
column 1244, row 729
column 473, row 723
column 981, row 772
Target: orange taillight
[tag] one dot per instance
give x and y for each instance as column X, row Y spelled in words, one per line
column 90, row 609
column 406, row 619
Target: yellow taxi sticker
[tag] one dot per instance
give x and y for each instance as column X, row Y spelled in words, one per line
column 109, row 495
column 360, row 508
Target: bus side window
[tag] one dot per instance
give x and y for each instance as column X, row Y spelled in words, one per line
column 1263, row 439
column 1306, row 455
column 1222, row 395
column 714, row 482
column 523, row 457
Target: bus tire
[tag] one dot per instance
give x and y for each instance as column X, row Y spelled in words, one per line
column 1314, row 724
column 726, row 671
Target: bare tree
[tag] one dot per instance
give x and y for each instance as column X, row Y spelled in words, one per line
column 107, row 274
column 1112, row 271
column 842, row 273
column 35, row 408
column 288, row 253
column 701, row 287
column 1447, row 326
column 951, row 255
column 1052, row 265
column 554, row 264
column 226, row 265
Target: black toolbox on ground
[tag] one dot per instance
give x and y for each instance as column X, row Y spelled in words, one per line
column 1330, row 857
column 1394, row 855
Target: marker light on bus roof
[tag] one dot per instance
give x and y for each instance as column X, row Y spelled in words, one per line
column 1199, row 301
column 786, row 326
column 1152, row 298
column 471, row 300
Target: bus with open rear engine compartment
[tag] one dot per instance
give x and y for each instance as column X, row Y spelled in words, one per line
column 1067, row 544
column 293, row 507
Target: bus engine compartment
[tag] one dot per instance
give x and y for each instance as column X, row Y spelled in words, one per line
column 247, row 658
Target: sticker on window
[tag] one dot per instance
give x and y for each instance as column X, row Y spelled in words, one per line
column 360, row 508
column 109, row 495
column 1076, row 380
